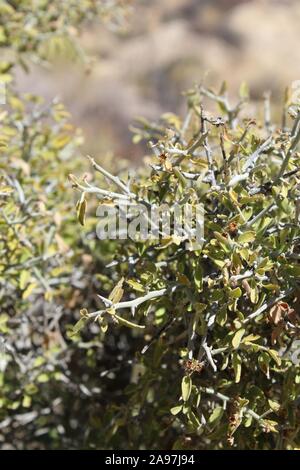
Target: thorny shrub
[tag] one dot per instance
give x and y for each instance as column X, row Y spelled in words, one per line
column 205, row 362
column 215, row 325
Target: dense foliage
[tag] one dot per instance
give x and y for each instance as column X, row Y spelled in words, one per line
column 125, row 344
column 47, row 267
column 219, row 322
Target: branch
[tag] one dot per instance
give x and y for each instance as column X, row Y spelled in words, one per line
column 226, row 399
column 295, row 137
column 208, row 150
column 266, row 306
column 209, row 356
column 260, row 215
column 111, row 177
column 130, row 303
column 250, row 163
column 93, row 189
column 237, row 179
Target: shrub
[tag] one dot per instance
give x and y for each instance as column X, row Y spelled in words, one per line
column 213, row 326
column 40, row 30
column 185, row 348
column 46, row 267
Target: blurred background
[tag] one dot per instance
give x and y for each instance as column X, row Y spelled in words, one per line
column 164, row 48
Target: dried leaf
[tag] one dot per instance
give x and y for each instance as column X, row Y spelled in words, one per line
column 117, row 293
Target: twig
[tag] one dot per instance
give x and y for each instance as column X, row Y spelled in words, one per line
column 295, row 138
column 158, row 334
column 208, row 150
column 111, row 177
column 260, row 215
column 226, row 399
column 250, row 163
column 130, row 303
column 266, row 306
column 267, row 111
column 237, row 179
column 93, row 189
column 191, row 337
column 209, row 356
column 186, row 123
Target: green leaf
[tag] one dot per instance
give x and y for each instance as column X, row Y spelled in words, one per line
column 235, row 293
column 294, row 270
column 216, row 414
column 103, row 324
column 217, row 295
column 274, row 405
column 237, row 366
column 137, row 286
column 198, row 277
column 193, row 419
column 81, row 209
column 250, row 338
column 186, row 387
column 79, row 326
column 128, row 323
column 117, row 293
column 223, row 241
column 270, row 425
column 43, row 378
column 26, row 402
column 247, row 237
column 176, row 410
column 274, row 355
column 236, row 340
column 29, row 290
column 253, row 291
column 221, row 317
column 263, row 362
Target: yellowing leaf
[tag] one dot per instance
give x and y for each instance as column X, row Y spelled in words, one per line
column 5, row 190
column 237, row 366
column 103, row 324
column 236, row 340
column 117, row 293
column 175, row 410
column 274, row 405
column 24, row 278
column 43, row 378
column 61, row 141
column 29, row 290
column 135, row 285
column 26, row 402
column 250, row 338
column 183, row 279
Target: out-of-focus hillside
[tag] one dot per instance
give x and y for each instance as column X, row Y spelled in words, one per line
column 170, row 45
